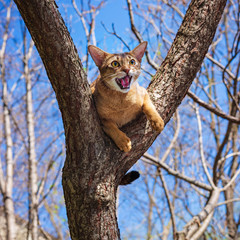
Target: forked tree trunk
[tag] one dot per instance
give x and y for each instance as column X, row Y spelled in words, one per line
column 94, row 166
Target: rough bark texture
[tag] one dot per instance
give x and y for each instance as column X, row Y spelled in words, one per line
column 94, row 166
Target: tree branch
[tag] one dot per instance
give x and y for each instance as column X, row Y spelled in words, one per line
column 158, row 163
column 138, row 35
column 166, row 153
column 169, row 203
column 231, row 181
column 195, row 228
column 201, row 149
column 212, row 109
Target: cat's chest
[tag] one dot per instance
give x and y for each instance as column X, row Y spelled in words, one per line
column 121, row 109
column 124, row 111
column 134, row 99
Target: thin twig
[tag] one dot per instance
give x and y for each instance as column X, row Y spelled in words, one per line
column 212, row 109
column 221, row 66
column 228, row 201
column 173, row 140
column 138, row 35
column 176, row 9
column 201, row 148
column 54, row 181
column 157, row 163
column 116, row 35
column 228, row 156
column 169, row 203
column 231, row 181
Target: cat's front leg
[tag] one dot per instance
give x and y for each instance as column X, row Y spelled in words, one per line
column 120, row 138
column 150, row 111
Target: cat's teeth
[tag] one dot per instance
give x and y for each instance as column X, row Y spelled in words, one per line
column 124, row 83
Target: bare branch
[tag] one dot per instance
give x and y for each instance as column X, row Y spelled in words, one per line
column 212, row 109
column 81, row 17
column 53, row 182
column 114, row 33
column 173, row 141
column 203, row 227
column 174, row 7
column 231, row 181
column 228, row 156
column 169, row 203
column 199, row 223
column 138, row 35
column 201, row 149
column 158, row 163
column 89, row 28
column 221, row 66
column 228, row 201
column 31, row 150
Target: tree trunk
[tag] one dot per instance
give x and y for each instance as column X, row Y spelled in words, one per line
column 32, row 162
column 229, row 193
column 8, row 186
column 94, row 166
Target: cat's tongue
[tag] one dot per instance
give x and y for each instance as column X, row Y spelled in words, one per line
column 125, row 81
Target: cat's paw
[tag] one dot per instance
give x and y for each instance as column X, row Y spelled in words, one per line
column 124, row 143
column 157, row 123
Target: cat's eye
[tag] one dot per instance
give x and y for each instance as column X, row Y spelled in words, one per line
column 132, row 62
column 115, row 64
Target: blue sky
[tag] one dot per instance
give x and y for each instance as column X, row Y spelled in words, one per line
column 113, row 12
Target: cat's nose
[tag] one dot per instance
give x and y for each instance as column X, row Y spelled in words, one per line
column 126, row 70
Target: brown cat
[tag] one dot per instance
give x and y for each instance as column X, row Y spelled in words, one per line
column 118, row 97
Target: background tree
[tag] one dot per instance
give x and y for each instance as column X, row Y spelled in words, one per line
column 23, row 102
column 6, row 183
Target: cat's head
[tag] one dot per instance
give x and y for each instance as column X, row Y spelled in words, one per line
column 119, row 71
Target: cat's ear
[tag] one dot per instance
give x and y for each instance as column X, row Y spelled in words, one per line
column 139, row 51
column 97, row 54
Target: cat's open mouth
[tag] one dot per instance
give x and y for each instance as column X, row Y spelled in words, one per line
column 124, row 83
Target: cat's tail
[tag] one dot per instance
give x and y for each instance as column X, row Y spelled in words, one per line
column 130, row 177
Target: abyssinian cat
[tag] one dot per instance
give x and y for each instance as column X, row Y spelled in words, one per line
column 118, row 97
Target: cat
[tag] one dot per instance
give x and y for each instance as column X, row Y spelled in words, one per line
column 118, row 97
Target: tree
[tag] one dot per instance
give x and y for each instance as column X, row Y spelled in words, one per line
column 94, row 166
column 6, row 185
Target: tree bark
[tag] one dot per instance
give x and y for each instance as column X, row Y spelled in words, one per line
column 94, row 166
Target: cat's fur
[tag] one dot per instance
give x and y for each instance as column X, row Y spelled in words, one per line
column 118, row 97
